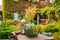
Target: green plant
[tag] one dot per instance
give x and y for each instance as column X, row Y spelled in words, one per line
column 51, row 28
column 56, row 2
column 56, row 36
column 43, row 10
column 57, row 6
column 27, row 19
column 39, row 28
column 47, row 10
column 6, row 23
column 31, row 32
column 7, row 31
column 58, row 12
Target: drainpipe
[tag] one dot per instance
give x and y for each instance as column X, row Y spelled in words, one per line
column 37, row 19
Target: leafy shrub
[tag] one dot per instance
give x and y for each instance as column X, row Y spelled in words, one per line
column 7, row 28
column 58, row 12
column 56, row 36
column 27, row 18
column 6, row 23
column 48, row 28
column 52, row 27
column 7, row 31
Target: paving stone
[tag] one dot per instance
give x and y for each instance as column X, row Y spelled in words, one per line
column 40, row 37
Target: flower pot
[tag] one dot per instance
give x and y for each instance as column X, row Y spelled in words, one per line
column 43, row 21
column 31, row 32
column 32, row 35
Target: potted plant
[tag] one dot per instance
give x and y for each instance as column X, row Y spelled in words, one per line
column 31, row 32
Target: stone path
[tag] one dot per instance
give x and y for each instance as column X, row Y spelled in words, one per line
column 6, row 39
column 40, row 37
column 24, row 37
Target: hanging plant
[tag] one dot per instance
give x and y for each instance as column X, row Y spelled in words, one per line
column 58, row 13
column 51, row 9
column 43, row 10
column 47, row 10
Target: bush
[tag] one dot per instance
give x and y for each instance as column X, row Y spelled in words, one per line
column 56, row 36
column 6, row 23
column 4, row 32
column 53, row 27
column 7, row 29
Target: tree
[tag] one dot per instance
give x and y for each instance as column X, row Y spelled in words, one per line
column 56, row 2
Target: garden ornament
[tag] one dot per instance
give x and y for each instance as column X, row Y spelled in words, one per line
column 16, row 15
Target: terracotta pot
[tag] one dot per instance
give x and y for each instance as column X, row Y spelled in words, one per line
column 43, row 21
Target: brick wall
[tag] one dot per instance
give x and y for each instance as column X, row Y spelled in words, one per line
column 10, row 6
